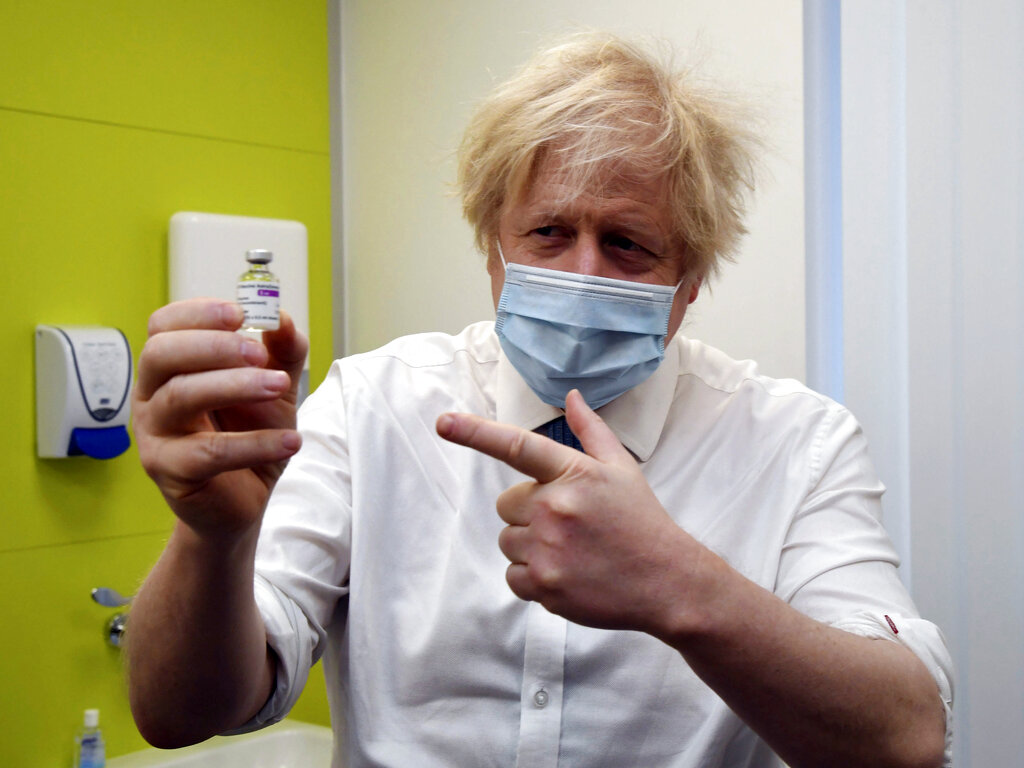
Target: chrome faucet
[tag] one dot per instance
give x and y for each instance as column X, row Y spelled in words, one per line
column 117, row 624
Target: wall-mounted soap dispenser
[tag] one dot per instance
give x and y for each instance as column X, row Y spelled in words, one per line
column 83, row 377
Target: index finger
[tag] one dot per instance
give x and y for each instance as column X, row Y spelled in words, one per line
column 194, row 314
column 530, row 453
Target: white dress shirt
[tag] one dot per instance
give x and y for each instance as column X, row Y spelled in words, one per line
column 379, row 553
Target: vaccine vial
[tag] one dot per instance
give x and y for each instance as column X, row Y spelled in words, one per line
column 259, row 293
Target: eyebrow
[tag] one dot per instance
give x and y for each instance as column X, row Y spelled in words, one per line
column 621, row 218
column 631, row 223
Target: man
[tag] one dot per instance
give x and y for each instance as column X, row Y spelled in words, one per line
column 693, row 575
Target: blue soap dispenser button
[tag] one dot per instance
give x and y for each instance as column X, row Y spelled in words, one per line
column 100, row 443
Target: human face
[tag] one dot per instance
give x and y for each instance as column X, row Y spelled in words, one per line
column 621, row 230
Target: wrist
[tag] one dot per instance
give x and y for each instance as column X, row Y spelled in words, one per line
column 696, row 596
column 214, row 550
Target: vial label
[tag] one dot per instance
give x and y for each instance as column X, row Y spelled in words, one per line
column 261, row 302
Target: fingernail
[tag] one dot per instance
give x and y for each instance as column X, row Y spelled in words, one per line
column 445, row 423
column 582, row 399
column 275, row 381
column 291, row 441
column 253, row 352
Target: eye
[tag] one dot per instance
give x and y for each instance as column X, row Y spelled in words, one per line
column 623, row 243
column 550, row 231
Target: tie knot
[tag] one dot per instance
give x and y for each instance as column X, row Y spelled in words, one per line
column 558, row 430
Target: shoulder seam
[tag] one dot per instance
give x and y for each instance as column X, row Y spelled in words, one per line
column 381, row 355
column 804, row 392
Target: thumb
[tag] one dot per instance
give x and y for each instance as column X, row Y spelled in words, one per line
column 594, row 435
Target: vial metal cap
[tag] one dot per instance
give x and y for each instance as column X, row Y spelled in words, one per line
column 259, row 256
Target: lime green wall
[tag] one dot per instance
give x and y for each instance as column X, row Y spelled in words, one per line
column 113, row 116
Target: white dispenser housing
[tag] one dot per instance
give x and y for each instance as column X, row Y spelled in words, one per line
column 83, row 379
column 206, row 256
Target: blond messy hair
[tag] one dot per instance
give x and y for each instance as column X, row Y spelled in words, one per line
column 596, row 103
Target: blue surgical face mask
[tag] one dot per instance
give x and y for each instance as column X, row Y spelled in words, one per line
column 563, row 331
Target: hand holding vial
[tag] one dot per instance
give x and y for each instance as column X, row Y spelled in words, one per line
column 214, row 411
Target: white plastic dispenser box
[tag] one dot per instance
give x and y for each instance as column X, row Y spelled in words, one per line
column 83, row 379
column 206, row 256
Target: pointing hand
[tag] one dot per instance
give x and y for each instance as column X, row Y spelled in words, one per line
column 586, row 537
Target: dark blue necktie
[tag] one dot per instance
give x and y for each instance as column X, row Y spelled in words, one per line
column 558, row 430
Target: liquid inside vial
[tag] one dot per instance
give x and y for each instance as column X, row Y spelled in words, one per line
column 259, row 293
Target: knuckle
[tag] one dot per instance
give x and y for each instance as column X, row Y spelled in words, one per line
column 228, row 346
column 153, row 324
column 194, row 462
column 556, row 504
column 504, row 540
column 157, row 458
column 174, row 394
column 551, row 535
column 209, row 449
column 581, row 470
column 547, row 576
column 142, row 427
column 509, row 504
column 148, row 456
column 517, row 447
column 148, row 352
column 519, row 582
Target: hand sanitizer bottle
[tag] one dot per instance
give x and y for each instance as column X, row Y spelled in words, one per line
column 259, row 293
column 89, row 749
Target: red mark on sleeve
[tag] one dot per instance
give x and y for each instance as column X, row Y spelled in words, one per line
column 892, row 625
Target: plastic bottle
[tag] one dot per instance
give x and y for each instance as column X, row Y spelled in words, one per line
column 259, row 293
column 89, row 749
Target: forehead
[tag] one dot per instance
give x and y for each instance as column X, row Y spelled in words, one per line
column 606, row 189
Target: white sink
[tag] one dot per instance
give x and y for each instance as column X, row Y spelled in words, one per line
column 289, row 744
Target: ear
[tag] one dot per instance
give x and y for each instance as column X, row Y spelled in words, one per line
column 496, row 271
column 695, row 289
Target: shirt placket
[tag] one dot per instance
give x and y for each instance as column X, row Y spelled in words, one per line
column 540, row 719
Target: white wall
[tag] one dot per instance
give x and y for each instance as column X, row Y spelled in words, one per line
column 933, row 211
column 874, row 241
column 411, row 73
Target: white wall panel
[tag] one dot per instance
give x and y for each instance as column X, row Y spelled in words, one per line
column 411, row 73
column 968, row 127
column 934, row 321
column 874, row 244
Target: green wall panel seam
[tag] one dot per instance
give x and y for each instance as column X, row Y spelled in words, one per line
column 81, row 542
column 165, row 132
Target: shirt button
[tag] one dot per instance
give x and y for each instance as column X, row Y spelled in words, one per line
column 540, row 698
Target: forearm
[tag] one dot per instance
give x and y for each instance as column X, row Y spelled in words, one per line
column 198, row 661
column 591, row 542
column 819, row 696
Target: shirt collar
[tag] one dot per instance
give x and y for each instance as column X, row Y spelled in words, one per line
column 636, row 417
